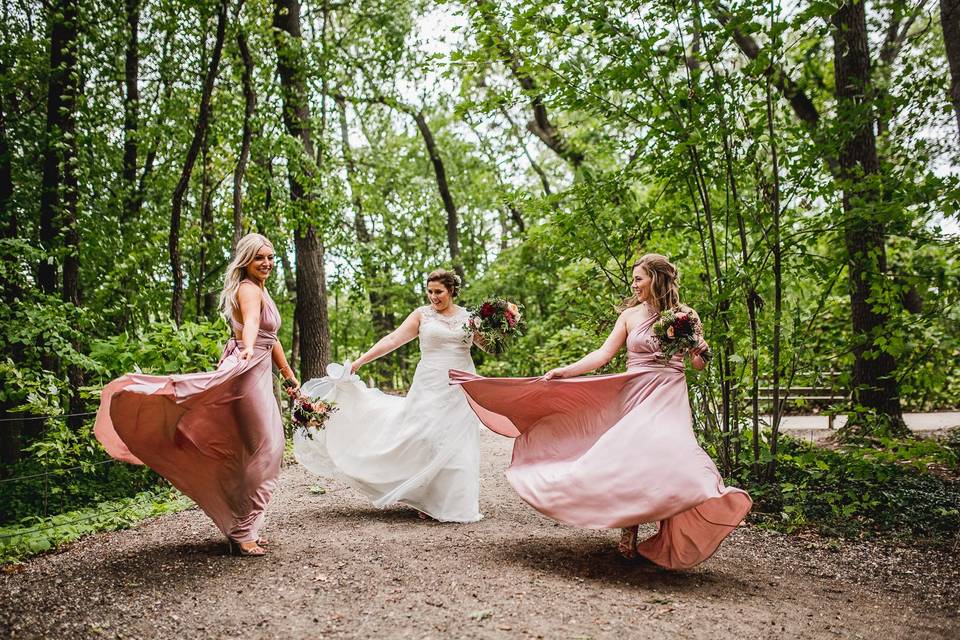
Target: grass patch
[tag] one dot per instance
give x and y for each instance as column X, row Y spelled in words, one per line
column 38, row 534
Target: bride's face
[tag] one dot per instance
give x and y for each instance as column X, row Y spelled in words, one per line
column 439, row 296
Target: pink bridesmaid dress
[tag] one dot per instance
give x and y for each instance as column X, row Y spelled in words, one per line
column 216, row 436
column 614, row 451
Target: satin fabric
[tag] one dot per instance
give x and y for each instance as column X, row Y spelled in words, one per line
column 614, row 451
column 216, row 436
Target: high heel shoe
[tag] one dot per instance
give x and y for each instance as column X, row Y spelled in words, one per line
column 236, row 550
column 628, row 542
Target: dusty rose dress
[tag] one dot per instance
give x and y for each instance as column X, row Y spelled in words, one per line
column 613, row 451
column 216, row 436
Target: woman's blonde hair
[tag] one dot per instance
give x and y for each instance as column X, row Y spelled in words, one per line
column 247, row 250
column 664, row 283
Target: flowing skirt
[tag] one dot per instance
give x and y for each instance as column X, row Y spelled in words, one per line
column 216, row 436
column 613, row 451
column 422, row 450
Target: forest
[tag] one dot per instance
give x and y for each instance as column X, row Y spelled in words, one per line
column 799, row 162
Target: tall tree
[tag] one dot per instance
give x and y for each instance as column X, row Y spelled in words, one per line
column 12, row 288
column 58, row 195
column 874, row 382
column 249, row 108
column 199, row 132
column 857, row 174
column 311, row 311
column 443, row 186
column 131, row 111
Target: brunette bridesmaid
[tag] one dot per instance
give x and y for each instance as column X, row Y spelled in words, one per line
column 216, row 436
column 616, row 451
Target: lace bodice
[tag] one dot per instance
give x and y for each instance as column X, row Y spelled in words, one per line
column 443, row 336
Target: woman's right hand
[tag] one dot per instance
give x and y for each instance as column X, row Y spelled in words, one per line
column 355, row 366
column 559, row 372
column 247, row 353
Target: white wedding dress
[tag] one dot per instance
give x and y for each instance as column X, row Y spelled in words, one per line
column 422, row 450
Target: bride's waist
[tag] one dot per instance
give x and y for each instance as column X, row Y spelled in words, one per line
column 434, row 360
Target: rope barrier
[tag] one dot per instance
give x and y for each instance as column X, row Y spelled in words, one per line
column 57, row 471
column 50, row 417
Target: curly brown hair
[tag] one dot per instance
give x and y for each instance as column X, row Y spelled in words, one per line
column 664, row 283
column 448, row 279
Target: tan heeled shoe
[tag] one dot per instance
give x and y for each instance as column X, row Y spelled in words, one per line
column 628, row 542
column 253, row 552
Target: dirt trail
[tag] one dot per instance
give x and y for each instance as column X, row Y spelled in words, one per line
column 342, row 569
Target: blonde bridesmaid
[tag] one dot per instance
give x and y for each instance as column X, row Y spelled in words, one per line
column 216, row 436
column 618, row 450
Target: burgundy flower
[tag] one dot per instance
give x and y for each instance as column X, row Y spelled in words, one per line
column 486, row 310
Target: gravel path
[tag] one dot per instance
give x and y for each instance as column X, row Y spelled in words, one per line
column 342, row 569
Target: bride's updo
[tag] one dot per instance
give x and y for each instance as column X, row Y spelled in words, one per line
column 448, row 279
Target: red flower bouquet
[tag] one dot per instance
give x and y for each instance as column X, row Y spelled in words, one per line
column 678, row 332
column 309, row 413
column 495, row 321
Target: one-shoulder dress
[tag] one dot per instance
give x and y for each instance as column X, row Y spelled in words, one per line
column 614, row 451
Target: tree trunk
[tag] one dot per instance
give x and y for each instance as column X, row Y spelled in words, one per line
column 311, row 310
column 176, row 303
column 250, row 106
column 950, row 22
column 526, row 152
column 206, row 226
column 9, row 228
column 9, row 222
column 57, row 202
column 874, row 385
column 131, row 113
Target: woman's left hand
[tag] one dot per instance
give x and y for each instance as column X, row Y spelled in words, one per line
column 696, row 355
column 292, row 390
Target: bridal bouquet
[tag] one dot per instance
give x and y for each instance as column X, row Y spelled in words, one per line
column 310, row 413
column 678, row 332
column 495, row 321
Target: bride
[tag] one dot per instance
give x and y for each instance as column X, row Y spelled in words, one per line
column 422, row 450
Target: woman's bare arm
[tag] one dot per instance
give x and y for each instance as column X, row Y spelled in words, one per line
column 400, row 336
column 598, row 358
